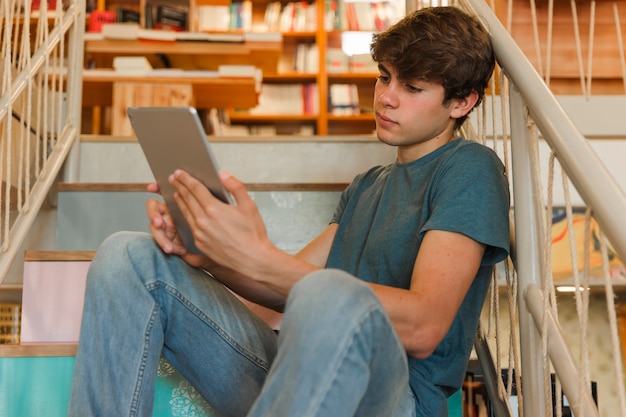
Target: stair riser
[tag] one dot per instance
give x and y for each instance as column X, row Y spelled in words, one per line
column 250, row 162
column 86, row 218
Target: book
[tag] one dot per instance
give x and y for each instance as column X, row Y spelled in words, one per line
column 120, row 31
column 157, row 35
column 272, row 16
column 131, row 65
column 263, row 37
column 213, row 18
column 292, row 99
column 344, row 99
column 170, row 18
column 337, row 61
column 127, row 15
column 209, row 37
column 246, row 71
column 362, row 63
column 307, row 58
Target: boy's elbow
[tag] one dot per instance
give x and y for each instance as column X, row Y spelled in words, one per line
column 425, row 341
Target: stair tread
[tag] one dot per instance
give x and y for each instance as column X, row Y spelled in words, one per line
column 38, row 350
column 123, row 186
column 58, row 255
column 246, row 139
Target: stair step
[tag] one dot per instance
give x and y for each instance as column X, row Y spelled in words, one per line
column 252, row 160
column 37, row 350
column 294, row 212
column 37, row 379
column 58, row 255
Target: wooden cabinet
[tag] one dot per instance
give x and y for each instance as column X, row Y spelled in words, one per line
column 296, row 63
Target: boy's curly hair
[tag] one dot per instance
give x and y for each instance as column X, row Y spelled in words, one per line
column 443, row 45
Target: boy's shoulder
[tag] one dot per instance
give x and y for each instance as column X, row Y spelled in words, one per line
column 472, row 149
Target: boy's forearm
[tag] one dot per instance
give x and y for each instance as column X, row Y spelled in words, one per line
column 265, row 277
column 277, row 269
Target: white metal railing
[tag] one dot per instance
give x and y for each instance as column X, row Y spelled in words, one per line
column 531, row 104
column 40, row 109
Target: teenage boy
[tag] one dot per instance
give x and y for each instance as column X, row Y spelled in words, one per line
column 379, row 311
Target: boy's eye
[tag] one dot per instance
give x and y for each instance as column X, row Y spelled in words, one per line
column 383, row 78
column 413, row 89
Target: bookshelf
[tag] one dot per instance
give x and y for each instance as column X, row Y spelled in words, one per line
column 305, row 32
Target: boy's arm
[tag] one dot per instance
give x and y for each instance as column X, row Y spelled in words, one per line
column 444, row 270
column 235, row 242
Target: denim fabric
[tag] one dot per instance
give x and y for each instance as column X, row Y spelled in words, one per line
column 337, row 354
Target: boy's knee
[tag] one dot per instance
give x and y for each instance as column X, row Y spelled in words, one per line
column 330, row 293
column 112, row 256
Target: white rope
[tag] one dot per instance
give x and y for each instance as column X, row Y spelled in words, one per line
column 549, row 41
column 533, row 12
column 610, row 304
column 29, row 103
column 509, row 15
column 579, row 51
column 44, row 85
column 620, row 43
column 581, row 293
column 592, row 25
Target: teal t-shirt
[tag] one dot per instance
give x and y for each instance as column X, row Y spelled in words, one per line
column 382, row 218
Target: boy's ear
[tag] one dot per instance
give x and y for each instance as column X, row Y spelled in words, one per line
column 463, row 106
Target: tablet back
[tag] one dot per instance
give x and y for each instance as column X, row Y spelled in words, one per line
column 173, row 138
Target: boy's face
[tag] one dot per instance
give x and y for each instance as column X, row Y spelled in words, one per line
column 411, row 114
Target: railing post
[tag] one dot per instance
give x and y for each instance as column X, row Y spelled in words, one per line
column 75, row 77
column 529, row 247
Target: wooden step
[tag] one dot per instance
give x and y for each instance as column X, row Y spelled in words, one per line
column 37, row 350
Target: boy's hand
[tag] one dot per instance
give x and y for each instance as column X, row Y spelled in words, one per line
column 231, row 235
column 164, row 231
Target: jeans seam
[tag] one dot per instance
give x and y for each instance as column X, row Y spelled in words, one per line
column 344, row 350
column 142, row 367
column 211, row 323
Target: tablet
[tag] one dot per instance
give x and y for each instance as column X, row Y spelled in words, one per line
column 173, row 138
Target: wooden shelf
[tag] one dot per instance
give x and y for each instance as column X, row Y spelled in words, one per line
column 290, row 77
column 351, row 76
column 242, row 117
column 112, row 46
column 364, row 117
column 208, row 92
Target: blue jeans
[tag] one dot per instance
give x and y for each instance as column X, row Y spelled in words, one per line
column 337, row 353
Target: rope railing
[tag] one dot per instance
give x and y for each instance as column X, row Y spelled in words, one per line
column 40, row 108
column 537, row 118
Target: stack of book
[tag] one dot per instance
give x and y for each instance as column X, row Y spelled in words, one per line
column 336, row 60
column 292, row 17
column 360, row 15
column 236, row 16
column 307, row 58
column 292, row 99
column 344, row 100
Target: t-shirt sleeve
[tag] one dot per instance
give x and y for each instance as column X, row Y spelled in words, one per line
column 471, row 196
column 349, row 192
